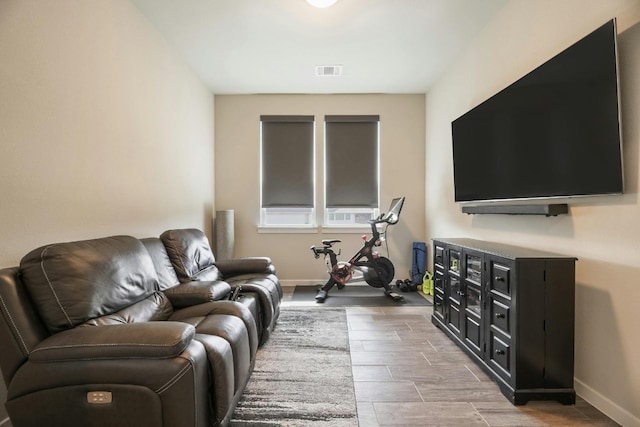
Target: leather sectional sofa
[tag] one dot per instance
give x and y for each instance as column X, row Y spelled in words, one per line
column 119, row 331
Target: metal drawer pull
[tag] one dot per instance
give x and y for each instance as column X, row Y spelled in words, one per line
column 500, row 315
column 500, row 352
column 499, row 279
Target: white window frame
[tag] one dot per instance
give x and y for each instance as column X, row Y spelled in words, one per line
column 277, row 217
column 266, row 224
column 327, row 222
column 274, row 219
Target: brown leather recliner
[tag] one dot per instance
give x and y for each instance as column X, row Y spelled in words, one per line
column 195, row 293
column 192, row 260
column 88, row 338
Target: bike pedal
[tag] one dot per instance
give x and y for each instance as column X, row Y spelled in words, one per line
column 321, row 296
column 395, row 296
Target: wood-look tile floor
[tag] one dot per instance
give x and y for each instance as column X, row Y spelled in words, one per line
column 408, row 373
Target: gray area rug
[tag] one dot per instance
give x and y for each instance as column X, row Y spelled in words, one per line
column 302, row 375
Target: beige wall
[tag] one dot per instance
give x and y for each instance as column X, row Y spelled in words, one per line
column 237, row 174
column 103, row 129
column 602, row 232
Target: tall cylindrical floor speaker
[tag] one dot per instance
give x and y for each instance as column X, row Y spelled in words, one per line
column 224, row 235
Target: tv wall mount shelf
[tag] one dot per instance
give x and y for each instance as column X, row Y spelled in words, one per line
column 541, row 209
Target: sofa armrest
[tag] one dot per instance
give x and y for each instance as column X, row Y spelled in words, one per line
column 247, row 265
column 154, row 340
column 197, row 292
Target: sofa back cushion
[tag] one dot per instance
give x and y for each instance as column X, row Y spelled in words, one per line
column 73, row 282
column 190, row 255
column 167, row 277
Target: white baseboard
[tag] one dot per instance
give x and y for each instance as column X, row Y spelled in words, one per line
column 605, row 405
column 306, row 282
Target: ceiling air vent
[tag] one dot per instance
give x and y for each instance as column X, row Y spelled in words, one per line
column 328, row 70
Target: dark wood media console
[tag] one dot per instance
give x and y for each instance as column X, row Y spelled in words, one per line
column 511, row 309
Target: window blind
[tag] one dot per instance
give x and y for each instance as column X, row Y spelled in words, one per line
column 287, row 161
column 351, row 154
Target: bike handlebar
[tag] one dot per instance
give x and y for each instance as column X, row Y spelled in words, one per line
column 315, row 252
column 389, row 218
column 325, row 250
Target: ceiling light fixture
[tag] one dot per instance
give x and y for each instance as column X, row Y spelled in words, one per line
column 321, row 3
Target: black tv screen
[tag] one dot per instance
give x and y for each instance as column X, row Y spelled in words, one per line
column 553, row 133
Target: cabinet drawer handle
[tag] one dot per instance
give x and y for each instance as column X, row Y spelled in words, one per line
column 500, row 315
column 499, row 279
column 500, row 352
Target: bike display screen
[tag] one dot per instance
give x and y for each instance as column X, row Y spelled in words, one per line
column 393, row 215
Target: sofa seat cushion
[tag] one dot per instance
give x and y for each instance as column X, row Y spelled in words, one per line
column 232, row 329
column 195, row 315
column 156, row 307
column 71, row 283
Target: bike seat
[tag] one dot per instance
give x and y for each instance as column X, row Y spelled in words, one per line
column 329, row 242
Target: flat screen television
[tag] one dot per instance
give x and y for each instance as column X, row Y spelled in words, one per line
column 553, row 133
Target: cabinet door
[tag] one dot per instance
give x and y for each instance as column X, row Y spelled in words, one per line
column 439, row 288
column 439, row 256
column 472, row 300
column 439, row 294
column 453, row 292
column 500, row 282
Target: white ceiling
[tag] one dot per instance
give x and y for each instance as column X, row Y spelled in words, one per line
column 273, row 46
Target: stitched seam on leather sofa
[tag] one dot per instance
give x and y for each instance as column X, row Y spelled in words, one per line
column 166, row 386
column 13, row 324
column 120, row 345
column 176, row 378
column 44, row 271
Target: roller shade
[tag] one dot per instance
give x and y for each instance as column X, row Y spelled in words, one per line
column 287, row 161
column 351, row 154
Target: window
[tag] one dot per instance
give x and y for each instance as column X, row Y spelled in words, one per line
column 349, row 216
column 351, row 169
column 287, row 171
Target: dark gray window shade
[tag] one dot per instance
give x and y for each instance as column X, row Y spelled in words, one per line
column 287, row 161
column 351, row 152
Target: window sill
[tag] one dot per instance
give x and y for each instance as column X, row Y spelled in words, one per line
column 313, row 229
column 295, row 229
column 347, row 230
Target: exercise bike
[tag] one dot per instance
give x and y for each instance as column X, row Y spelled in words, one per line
column 376, row 270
